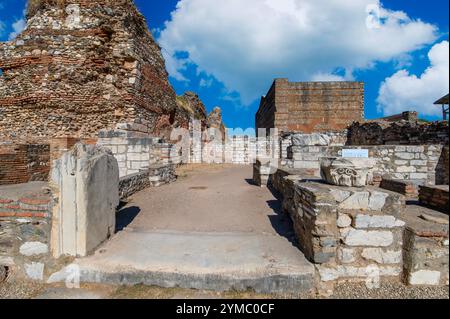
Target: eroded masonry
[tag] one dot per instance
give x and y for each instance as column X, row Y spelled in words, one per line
column 88, row 119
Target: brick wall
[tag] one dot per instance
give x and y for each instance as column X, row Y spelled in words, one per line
column 24, row 163
column 311, row 106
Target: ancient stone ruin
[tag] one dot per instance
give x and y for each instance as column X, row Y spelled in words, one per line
column 90, row 127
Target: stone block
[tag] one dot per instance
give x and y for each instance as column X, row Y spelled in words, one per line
column 377, row 221
column 425, row 277
column 315, row 139
column 373, row 238
column 382, row 256
column 347, row 255
column 88, row 182
column 33, row 249
column 344, row 221
column 357, row 201
column 405, row 156
column 35, row 271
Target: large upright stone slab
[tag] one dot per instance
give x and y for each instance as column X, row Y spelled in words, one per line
column 88, row 182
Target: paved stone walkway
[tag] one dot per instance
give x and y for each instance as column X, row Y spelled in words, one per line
column 212, row 229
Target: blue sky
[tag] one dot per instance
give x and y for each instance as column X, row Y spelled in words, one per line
column 230, row 51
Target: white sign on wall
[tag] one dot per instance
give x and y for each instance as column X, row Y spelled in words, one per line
column 355, row 153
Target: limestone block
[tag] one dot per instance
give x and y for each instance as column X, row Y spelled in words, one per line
column 425, row 277
column 346, row 255
column 377, row 200
column 88, row 182
column 374, row 238
column 357, row 201
column 33, row 249
column 377, row 221
column 351, row 172
column 35, row 271
column 382, row 256
column 344, row 221
column 315, row 139
column 340, row 195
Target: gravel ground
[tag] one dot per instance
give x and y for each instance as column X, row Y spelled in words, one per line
column 21, row 290
column 389, row 291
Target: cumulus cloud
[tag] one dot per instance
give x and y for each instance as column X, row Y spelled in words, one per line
column 246, row 46
column 405, row 92
column 18, row 26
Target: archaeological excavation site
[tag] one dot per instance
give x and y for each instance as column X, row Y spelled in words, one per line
column 108, row 177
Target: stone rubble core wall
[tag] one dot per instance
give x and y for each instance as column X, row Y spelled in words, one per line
column 25, row 224
column 435, row 197
column 309, row 107
column 398, row 133
column 23, row 163
column 86, row 185
column 93, row 64
column 397, row 162
column 344, row 230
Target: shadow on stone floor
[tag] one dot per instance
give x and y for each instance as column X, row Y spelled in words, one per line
column 125, row 216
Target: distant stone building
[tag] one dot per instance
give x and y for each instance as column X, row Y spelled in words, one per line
column 82, row 66
column 308, row 107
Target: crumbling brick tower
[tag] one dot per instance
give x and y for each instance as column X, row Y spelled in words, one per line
column 82, row 66
column 310, row 107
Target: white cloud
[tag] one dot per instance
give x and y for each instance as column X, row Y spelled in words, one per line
column 18, row 26
column 246, row 45
column 405, row 92
column 327, row 77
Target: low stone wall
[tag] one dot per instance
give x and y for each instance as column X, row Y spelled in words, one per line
column 348, row 232
column 23, row 163
column 426, row 252
column 25, row 224
column 132, row 153
column 154, row 176
column 408, row 189
column 435, row 197
column 398, row 133
column 411, row 163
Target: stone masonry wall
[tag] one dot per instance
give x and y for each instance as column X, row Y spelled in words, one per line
column 25, row 223
column 398, row 133
column 132, row 154
column 347, row 232
column 154, row 176
column 308, row 107
column 413, row 163
column 24, row 163
column 93, row 65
